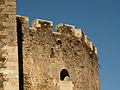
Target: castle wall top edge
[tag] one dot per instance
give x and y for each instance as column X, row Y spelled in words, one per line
column 65, row 25
column 40, row 22
column 23, row 17
column 60, row 29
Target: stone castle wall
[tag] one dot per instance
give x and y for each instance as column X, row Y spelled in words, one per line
column 38, row 59
column 47, row 53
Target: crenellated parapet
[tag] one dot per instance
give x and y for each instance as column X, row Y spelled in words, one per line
column 79, row 33
column 62, row 29
column 69, row 29
column 90, row 44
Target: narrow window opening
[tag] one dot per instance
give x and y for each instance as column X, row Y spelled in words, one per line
column 20, row 55
column 64, row 73
column 52, row 54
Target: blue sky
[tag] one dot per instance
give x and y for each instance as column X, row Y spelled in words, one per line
column 100, row 20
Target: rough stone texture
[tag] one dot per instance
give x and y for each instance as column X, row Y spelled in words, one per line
column 8, row 45
column 61, row 60
column 47, row 53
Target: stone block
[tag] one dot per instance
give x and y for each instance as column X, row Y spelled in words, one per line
column 78, row 33
column 87, row 41
column 40, row 23
column 65, row 85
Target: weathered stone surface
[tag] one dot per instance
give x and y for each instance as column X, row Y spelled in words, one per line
column 38, row 59
column 2, row 2
column 8, row 46
column 47, row 53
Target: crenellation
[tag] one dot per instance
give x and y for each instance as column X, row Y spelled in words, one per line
column 38, row 23
column 60, row 28
column 66, row 26
column 91, row 46
column 65, row 29
column 87, row 41
column 96, row 51
column 78, row 33
column 24, row 20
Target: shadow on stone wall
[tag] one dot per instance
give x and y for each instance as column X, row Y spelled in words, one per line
column 20, row 54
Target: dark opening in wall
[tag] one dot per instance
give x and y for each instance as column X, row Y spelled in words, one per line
column 64, row 73
column 52, row 54
column 91, row 56
column 20, row 53
column 59, row 42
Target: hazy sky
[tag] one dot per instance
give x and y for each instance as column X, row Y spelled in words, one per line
column 100, row 20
